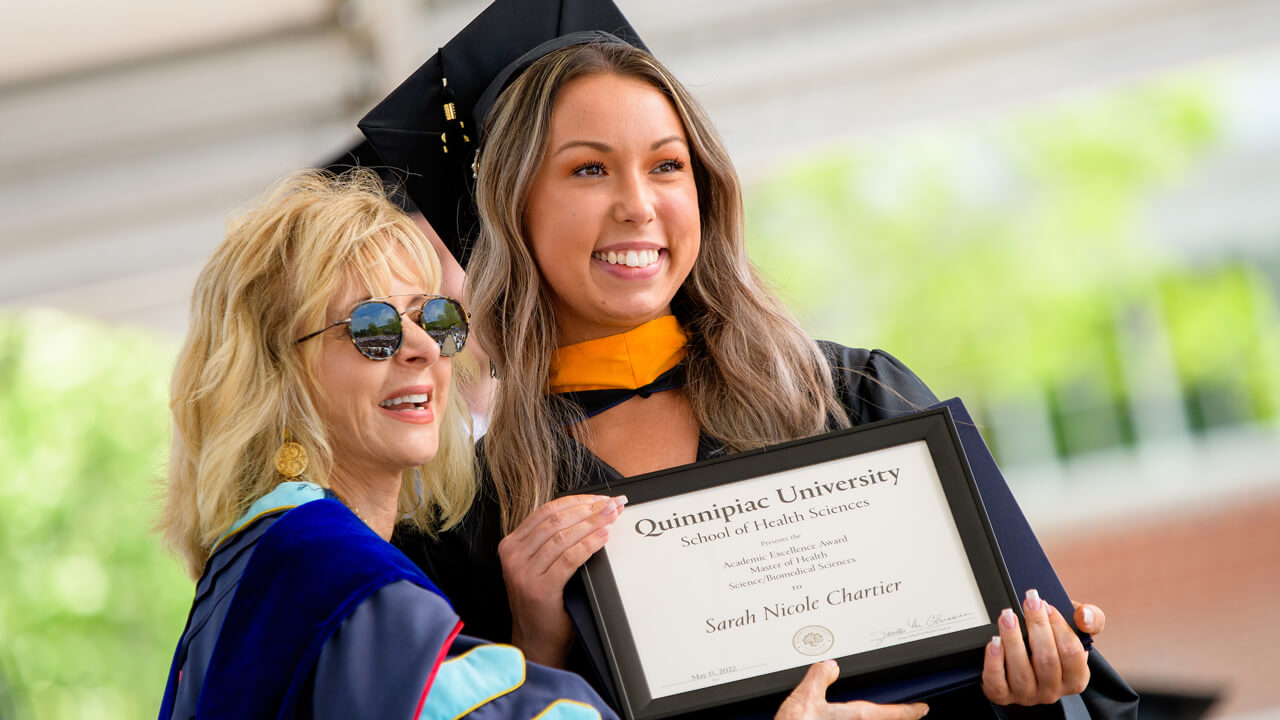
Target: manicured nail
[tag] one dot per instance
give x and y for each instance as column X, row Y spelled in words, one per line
column 609, row 508
column 1033, row 600
column 830, row 663
column 997, row 645
column 1007, row 620
column 1088, row 616
column 603, row 532
column 621, row 500
column 1048, row 609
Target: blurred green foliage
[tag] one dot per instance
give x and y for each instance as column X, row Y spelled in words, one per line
column 1226, row 318
column 997, row 258
column 92, row 604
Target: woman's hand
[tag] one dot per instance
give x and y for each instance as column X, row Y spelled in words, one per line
column 1089, row 618
column 538, row 557
column 809, row 701
column 1057, row 664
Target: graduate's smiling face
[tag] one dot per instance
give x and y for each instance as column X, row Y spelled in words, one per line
column 612, row 215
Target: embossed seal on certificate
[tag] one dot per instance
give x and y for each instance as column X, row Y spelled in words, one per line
column 812, row 640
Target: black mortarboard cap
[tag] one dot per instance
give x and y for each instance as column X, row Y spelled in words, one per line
column 362, row 154
column 429, row 127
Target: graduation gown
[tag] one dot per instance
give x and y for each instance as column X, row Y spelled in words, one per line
column 304, row 612
column 871, row 385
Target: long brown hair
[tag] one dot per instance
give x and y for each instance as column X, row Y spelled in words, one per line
column 753, row 377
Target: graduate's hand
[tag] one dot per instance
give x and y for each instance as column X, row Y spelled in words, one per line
column 1056, row 666
column 539, row 557
column 809, row 701
column 1089, row 618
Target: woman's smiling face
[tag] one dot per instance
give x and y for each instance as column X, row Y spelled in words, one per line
column 612, row 215
column 382, row 416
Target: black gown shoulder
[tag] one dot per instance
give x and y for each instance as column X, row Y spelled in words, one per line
column 874, row 385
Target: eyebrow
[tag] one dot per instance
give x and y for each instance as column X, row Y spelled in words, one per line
column 668, row 139
column 599, row 146
column 605, row 148
column 388, row 297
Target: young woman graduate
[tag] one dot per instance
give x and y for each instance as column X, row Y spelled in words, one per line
column 631, row 333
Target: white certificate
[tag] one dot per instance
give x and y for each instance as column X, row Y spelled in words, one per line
column 823, row 561
column 867, row 546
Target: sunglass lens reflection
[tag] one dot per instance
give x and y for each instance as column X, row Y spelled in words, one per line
column 445, row 321
column 375, row 330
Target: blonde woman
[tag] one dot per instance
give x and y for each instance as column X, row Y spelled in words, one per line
column 614, row 295
column 312, row 415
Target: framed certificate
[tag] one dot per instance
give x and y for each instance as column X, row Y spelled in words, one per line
column 724, row 580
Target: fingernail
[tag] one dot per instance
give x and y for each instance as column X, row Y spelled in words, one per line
column 609, row 508
column 1088, row 616
column 830, row 663
column 997, row 645
column 1033, row 600
column 621, row 499
column 1007, row 620
column 603, row 532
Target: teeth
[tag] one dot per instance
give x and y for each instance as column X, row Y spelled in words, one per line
column 409, row 399
column 630, row 258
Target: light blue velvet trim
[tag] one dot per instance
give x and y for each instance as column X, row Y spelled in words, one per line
column 285, row 495
column 568, row 710
column 472, row 679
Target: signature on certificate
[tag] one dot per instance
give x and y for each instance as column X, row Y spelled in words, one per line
column 916, row 628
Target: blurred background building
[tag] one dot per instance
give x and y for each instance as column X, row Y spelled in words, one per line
column 1066, row 212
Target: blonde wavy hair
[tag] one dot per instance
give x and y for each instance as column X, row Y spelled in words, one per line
column 753, row 377
column 242, row 378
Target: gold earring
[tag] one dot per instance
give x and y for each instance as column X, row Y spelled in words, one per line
column 291, row 458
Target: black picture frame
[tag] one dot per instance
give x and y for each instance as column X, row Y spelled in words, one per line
column 887, row 664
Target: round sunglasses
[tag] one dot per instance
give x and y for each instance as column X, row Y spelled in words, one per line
column 375, row 329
